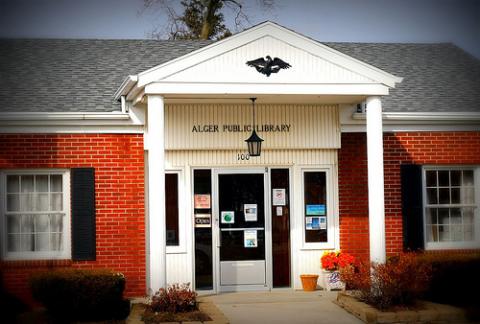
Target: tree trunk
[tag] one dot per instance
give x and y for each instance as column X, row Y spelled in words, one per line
column 207, row 19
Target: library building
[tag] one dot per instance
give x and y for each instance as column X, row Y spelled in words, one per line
column 232, row 165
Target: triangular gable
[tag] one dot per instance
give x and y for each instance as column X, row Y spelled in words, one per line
column 225, row 62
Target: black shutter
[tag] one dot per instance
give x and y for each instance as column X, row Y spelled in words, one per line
column 83, row 213
column 412, row 206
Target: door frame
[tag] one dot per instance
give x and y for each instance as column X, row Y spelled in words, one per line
column 216, row 229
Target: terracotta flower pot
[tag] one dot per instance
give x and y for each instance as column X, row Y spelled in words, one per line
column 309, row 282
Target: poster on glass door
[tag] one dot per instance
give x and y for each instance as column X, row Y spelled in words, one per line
column 250, row 238
column 250, row 211
column 315, row 223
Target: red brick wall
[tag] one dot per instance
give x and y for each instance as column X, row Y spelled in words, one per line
column 119, row 183
column 440, row 148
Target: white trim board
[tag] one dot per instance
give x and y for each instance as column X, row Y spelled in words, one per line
column 62, row 116
column 74, row 122
column 73, row 129
column 264, row 88
column 371, row 75
column 351, row 121
column 266, row 29
column 426, row 117
column 412, row 128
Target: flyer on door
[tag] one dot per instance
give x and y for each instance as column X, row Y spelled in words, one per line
column 250, row 211
column 250, row 238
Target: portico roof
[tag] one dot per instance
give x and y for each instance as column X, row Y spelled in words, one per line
column 220, row 68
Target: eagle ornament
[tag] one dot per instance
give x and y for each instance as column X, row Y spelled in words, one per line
column 268, row 66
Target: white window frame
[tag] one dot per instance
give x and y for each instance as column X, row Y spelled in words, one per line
column 66, row 253
column 182, row 214
column 476, row 230
column 332, row 218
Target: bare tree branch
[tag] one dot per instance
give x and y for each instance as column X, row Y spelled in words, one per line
column 202, row 18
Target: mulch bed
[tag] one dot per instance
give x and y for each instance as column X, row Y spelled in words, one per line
column 159, row 317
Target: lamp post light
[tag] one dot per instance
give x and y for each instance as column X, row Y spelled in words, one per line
column 254, row 142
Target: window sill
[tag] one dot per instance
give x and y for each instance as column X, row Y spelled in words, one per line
column 318, row 246
column 35, row 263
column 176, row 249
column 452, row 246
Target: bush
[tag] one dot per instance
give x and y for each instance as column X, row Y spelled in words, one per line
column 73, row 294
column 175, row 299
column 454, row 278
column 400, row 281
column 11, row 305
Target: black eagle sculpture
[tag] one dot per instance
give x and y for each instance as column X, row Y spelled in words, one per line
column 268, row 66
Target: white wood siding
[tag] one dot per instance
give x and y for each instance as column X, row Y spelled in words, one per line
column 268, row 158
column 310, row 126
column 179, row 268
column 306, row 67
column 312, row 142
column 307, row 262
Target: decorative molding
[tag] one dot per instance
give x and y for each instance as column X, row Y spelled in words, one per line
column 268, row 66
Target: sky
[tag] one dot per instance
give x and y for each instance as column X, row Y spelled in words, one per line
column 405, row 21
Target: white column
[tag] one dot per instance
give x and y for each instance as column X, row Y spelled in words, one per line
column 376, row 198
column 156, row 193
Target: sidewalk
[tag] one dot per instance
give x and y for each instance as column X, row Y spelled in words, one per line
column 285, row 306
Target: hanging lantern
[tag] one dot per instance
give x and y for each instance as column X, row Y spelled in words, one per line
column 254, row 142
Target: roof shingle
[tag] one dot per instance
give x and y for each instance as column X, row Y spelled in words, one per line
column 83, row 75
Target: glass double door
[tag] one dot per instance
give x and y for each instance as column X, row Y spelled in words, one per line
column 241, row 228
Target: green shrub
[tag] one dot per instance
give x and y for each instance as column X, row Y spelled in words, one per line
column 81, row 294
column 175, row 299
column 399, row 281
column 454, row 279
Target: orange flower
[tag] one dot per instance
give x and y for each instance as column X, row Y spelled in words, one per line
column 336, row 260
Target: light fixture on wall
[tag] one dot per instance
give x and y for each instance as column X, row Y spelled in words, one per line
column 254, row 142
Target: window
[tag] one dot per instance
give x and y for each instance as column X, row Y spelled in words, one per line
column 450, row 207
column 315, row 197
column 35, row 215
column 318, row 209
column 202, row 188
column 175, row 212
column 171, row 209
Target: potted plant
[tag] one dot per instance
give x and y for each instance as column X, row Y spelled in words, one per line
column 309, row 281
column 332, row 262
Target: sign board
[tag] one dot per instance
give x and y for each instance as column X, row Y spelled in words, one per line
column 228, row 217
column 202, row 201
column 315, row 210
column 203, row 220
column 279, row 210
column 279, row 197
column 315, row 223
column 323, row 222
